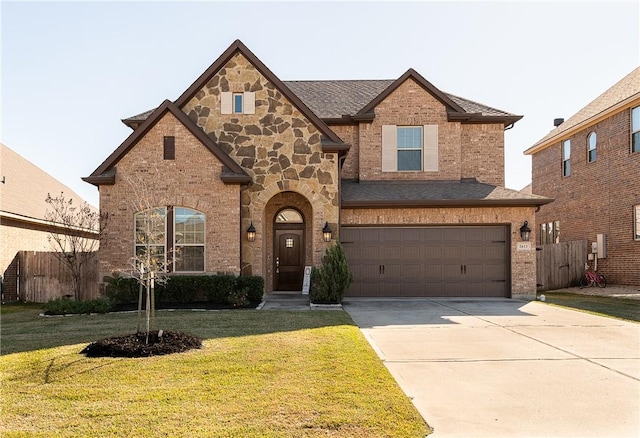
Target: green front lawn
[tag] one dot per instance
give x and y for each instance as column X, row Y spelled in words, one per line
column 622, row 308
column 259, row 374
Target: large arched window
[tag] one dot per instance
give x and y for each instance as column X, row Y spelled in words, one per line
column 171, row 238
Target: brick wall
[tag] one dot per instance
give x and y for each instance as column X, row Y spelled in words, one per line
column 349, row 135
column 463, row 150
column 523, row 263
column 192, row 180
column 483, row 153
column 597, row 198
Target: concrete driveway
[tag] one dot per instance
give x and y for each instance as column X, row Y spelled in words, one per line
column 507, row 368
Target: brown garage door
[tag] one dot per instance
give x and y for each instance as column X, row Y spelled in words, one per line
column 462, row 261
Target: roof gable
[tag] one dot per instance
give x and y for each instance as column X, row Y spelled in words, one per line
column 428, row 86
column 222, row 60
column 105, row 173
column 622, row 94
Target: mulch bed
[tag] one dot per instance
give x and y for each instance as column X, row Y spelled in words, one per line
column 134, row 345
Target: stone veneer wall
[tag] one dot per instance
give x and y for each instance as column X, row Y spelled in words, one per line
column 523, row 263
column 277, row 146
column 192, row 180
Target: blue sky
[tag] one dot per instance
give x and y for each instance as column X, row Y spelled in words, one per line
column 72, row 70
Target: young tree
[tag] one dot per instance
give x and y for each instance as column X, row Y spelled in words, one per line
column 151, row 261
column 76, row 244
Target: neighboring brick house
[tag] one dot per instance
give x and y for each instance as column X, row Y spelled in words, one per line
column 590, row 164
column 408, row 178
column 23, row 225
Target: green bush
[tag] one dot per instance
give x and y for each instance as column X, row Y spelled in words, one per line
column 122, row 290
column 254, row 285
column 190, row 288
column 63, row 306
column 221, row 287
column 180, row 289
column 330, row 281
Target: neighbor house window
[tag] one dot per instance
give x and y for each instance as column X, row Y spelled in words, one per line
column 238, row 103
column 177, row 248
column 566, row 158
column 592, row 141
column 409, row 148
column 636, row 222
column 550, row 232
column 635, row 129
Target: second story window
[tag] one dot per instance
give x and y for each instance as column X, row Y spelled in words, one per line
column 409, row 148
column 566, row 158
column 592, row 141
column 635, row 129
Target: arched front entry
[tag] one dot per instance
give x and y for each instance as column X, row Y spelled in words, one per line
column 288, row 250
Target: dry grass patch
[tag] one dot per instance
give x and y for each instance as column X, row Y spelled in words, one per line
column 259, row 374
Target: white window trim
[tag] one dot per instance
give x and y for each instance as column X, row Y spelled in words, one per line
column 636, row 222
column 591, row 135
column 631, row 127
column 566, row 158
column 203, row 244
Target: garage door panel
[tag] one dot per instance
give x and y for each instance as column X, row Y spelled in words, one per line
column 411, row 252
column 428, row 261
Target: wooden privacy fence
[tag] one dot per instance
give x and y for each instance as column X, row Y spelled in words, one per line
column 43, row 277
column 560, row 265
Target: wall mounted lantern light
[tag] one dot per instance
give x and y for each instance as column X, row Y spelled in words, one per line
column 251, row 233
column 525, row 231
column 326, row 232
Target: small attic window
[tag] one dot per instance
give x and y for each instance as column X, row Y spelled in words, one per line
column 238, row 103
column 170, row 148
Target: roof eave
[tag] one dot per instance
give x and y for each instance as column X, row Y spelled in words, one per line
column 329, row 146
column 481, row 118
column 452, row 203
column 596, row 118
column 235, row 178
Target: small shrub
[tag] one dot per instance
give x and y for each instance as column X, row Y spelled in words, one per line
column 180, row 289
column 220, row 288
column 122, row 290
column 239, row 298
column 254, row 285
column 65, row 306
column 330, row 281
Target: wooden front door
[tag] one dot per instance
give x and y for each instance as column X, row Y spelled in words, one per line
column 289, row 259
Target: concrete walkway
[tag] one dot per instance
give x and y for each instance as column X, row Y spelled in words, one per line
column 508, row 368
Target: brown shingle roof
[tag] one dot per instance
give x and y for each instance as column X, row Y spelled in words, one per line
column 462, row 193
column 26, row 186
column 335, row 98
column 628, row 88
